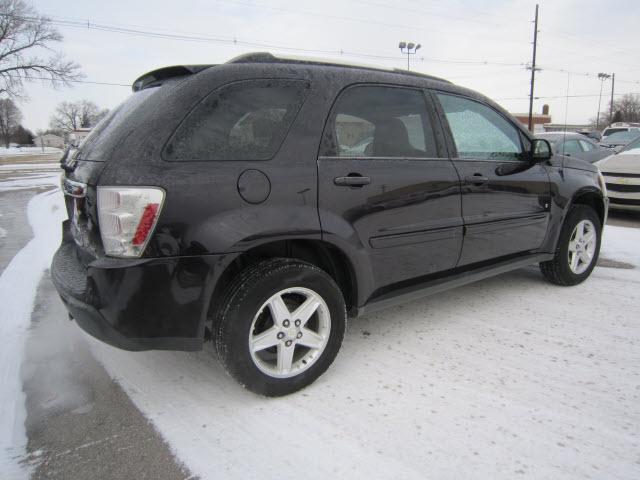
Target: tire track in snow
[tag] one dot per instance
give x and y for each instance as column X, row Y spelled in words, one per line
column 18, row 287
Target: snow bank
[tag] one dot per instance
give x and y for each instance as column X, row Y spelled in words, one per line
column 18, row 285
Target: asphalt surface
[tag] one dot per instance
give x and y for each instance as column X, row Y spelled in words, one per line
column 80, row 423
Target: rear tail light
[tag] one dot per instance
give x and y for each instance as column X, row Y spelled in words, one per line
column 127, row 217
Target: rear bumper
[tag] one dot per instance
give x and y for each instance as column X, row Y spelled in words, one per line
column 137, row 304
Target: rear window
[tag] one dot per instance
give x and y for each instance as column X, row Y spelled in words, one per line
column 246, row 120
column 96, row 146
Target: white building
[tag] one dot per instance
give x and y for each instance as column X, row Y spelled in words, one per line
column 78, row 135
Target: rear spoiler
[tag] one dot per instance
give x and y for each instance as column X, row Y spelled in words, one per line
column 164, row 73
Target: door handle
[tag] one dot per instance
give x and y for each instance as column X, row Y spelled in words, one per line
column 476, row 179
column 352, row 180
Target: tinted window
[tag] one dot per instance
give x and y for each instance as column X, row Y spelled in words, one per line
column 242, row 121
column 571, row 146
column 480, row 132
column 371, row 121
column 110, row 130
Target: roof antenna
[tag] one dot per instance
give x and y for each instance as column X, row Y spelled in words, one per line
column 566, row 113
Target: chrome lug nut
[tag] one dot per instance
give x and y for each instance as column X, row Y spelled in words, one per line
column 286, row 323
column 297, row 323
column 280, row 335
column 299, row 335
column 288, row 343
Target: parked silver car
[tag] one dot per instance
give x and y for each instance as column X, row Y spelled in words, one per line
column 575, row 145
column 622, row 177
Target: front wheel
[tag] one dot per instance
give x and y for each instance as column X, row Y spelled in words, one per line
column 280, row 326
column 578, row 248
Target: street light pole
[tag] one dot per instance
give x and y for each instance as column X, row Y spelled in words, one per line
column 533, row 69
column 602, row 77
column 613, row 84
column 411, row 49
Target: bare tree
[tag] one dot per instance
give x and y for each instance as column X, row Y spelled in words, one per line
column 73, row 115
column 25, row 51
column 10, row 118
column 625, row 109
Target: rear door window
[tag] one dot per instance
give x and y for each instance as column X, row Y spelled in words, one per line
column 380, row 121
column 246, row 120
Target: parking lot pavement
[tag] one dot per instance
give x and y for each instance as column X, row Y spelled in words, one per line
column 79, row 422
column 624, row 218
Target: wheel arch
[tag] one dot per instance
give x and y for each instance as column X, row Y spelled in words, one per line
column 591, row 197
column 324, row 255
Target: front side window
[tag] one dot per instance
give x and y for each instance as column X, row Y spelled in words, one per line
column 586, row 146
column 571, row 146
column 246, row 120
column 377, row 121
column 479, row 132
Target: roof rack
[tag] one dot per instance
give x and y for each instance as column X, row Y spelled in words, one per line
column 266, row 57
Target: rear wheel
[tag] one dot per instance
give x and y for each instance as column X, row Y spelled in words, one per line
column 280, row 326
column 578, row 248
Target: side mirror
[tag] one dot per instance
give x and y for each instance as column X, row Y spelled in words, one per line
column 540, row 150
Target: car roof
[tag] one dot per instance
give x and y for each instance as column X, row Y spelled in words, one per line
column 571, row 135
column 269, row 58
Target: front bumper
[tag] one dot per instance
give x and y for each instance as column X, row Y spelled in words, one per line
column 623, row 191
column 136, row 304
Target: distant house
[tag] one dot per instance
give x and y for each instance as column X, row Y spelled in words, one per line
column 537, row 119
column 78, row 135
column 49, row 140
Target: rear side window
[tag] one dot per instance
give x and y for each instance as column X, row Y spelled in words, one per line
column 377, row 121
column 245, row 120
column 479, row 132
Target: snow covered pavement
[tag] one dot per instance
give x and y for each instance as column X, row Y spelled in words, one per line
column 509, row 377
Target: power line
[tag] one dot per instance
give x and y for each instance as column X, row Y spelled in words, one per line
column 125, row 30
column 54, row 80
column 563, row 96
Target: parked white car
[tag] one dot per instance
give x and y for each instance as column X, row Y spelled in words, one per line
column 622, row 176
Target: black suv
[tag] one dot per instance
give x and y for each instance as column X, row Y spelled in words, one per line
column 259, row 203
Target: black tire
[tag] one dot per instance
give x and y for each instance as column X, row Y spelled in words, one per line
column 246, row 294
column 558, row 271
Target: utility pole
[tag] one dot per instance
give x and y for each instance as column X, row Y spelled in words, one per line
column 533, row 69
column 602, row 77
column 411, row 49
column 613, row 84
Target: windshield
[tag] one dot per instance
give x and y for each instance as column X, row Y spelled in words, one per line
column 623, row 137
column 632, row 149
column 609, row 131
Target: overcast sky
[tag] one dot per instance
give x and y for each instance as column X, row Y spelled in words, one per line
column 583, row 37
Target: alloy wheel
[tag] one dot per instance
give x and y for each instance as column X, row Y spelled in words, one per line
column 289, row 332
column 582, row 246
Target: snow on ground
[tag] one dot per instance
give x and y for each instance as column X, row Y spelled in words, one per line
column 43, row 179
column 18, row 285
column 12, row 151
column 510, row 376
